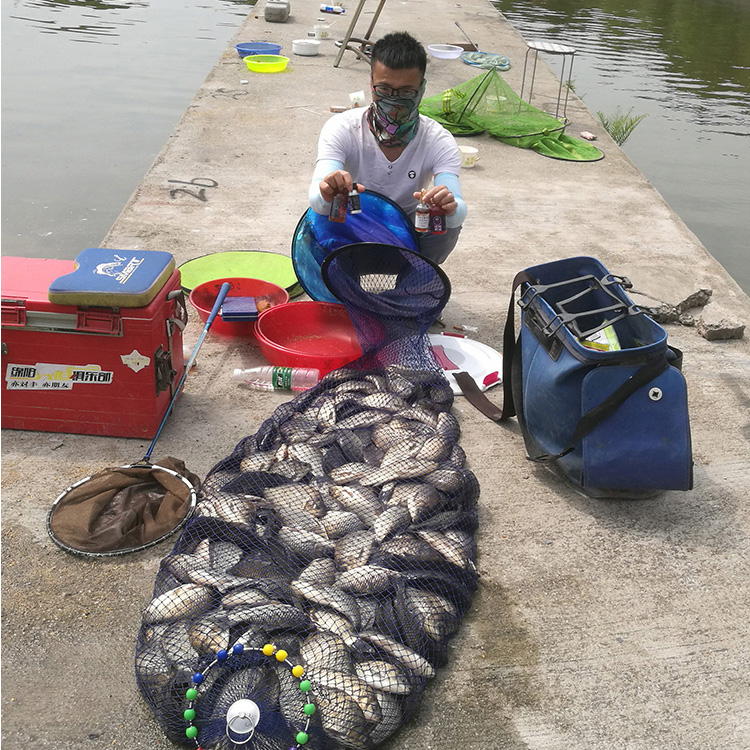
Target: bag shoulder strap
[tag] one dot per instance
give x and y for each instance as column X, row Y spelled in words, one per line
column 467, row 384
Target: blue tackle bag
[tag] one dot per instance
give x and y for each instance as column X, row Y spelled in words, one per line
column 597, row 391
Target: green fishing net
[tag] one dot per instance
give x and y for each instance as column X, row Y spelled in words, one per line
column 488, row 103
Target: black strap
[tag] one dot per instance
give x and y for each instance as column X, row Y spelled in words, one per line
column 594, row 417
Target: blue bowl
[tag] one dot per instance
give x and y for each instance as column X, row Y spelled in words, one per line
column 257, row 48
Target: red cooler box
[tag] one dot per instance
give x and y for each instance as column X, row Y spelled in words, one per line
column 91, row 346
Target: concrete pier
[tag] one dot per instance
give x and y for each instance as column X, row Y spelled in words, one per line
column 598, row 625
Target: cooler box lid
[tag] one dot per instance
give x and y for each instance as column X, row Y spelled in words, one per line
column 27, row 280
column 113, row 278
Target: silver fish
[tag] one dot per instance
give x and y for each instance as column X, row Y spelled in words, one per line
column 301, row 496
column 379, row 381
column 360, row 500
column 306, row 544
column 239, row 509
column 447, row 426
column 420, row 413
column 322, row 570
column 408, row 547
column 368, row 610
column 349, row 473
column 353, row 686
column 181, row 565
column 273, row 615
column 209, row 636
column 260, row 461
column 383, row 676
column 363, row 419
column 338, row 523
column 152, row 667
column 418, row 498
column 341, row 718
column 224, row 555
column 409, row 468
column 392, row 520
column 355, row 386
column 325, row 650
column 291, row 468
column 327, row 620
column 353, row 549
column 298, row 429
column 385, row 401
column 457, row 457
column 244, row 597
column 448, row 480
column 366, row 579
column 390, row 707
column 203, row 551
column 309, row 455
column 177, row 646
column 185, row 601
column 452, row 551
column 436, row 614
column 329, row 596
column 464, row 540
column 414, row 662
column 222, row 582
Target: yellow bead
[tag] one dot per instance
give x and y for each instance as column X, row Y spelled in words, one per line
column 281, row 654
column 298, row 671
column 268, row 649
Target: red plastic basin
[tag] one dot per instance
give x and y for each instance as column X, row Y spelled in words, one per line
column 307, row 334
column 204, row 295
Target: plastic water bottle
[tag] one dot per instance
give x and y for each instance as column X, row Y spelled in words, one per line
column 279, row 378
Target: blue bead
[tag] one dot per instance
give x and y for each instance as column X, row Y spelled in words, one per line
column 222, row 655
column 198, row 678
column 238, row 648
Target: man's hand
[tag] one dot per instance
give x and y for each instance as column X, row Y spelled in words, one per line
column 337, row 182
column 440, row 196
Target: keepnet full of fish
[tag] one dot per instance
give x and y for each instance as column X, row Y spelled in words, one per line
column 330, row 560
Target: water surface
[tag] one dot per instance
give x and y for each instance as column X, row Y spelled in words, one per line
column 685, row 64
column 91, row 91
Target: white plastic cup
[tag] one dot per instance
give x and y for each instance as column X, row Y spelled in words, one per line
column 469, row 156
column 321, row 32
column 357, row 99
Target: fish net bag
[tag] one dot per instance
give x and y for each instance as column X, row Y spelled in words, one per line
column 331, row 556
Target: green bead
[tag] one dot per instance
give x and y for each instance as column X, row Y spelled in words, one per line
column 189, row 714
column 192, row 732
column 309, row 709
column 305, row 685
column 301, row 738
column 191, row 694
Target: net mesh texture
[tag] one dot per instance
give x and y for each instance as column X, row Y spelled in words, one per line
column 331, row 555
column 488, row 103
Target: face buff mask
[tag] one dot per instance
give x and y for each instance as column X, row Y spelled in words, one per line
column 394, row 120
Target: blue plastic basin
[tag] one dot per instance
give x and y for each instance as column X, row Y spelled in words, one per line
column 257, row 48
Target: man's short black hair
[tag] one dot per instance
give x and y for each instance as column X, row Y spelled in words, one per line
column 399, row 51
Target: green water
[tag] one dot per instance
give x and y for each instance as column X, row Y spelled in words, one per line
column 685, row 64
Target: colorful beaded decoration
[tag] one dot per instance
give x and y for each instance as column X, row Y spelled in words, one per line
column 269, row 649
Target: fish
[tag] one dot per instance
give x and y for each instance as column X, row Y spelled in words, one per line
column 392, row 716
column 366, row 579
column 419, row 498
column 305, row 497
column 349, row 473
column 352, row 686
column 453, row 551
column 386, row 401
column 383, row 676
column 329, row 596
column 222, row 582
column 305, row 544
column 291, row 699
column 448, row 480
column 363, row 501
column 364, row 419
column 244, row 597
column 354, row 549
column 325, row 650
column 338, row 523
column 342, row 718
column 436, row 615
column 269, row 616
column 309, row 455
column 224, row 555
column 152, row 668
column 260, row 461
column 414, row 662
column 447, row 426
column 321, row 570
column 188, row 600
column 333, row 622
column 408, row 468
column 392, row 520
column 208, row 636
column 411, row 549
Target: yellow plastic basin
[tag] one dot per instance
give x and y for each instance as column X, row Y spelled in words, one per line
column 266, row 63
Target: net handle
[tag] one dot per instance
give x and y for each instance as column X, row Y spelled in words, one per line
column 214, row 312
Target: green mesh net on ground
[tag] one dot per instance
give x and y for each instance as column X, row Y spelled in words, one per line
column 487, row 103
